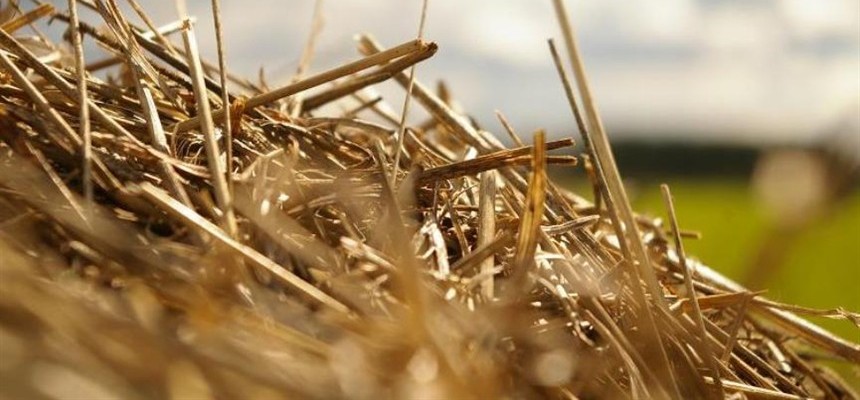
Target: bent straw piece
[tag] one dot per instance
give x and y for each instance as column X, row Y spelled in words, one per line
column 316, row 80
column 193, row 219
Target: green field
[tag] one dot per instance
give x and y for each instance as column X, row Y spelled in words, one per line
column 822, row 264
column 822, row 267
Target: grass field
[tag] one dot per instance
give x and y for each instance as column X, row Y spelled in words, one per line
column 822, row 268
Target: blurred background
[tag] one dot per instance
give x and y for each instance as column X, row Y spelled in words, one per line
column 750, row 110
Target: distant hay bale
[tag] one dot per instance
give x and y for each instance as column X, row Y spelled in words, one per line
column 148, row 249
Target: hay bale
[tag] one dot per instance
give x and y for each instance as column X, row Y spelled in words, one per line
column 172, row 239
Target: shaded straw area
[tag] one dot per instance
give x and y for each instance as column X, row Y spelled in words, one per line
column 328, row 248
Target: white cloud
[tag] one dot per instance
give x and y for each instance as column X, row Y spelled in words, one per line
column 782, row 69
column 817, row 18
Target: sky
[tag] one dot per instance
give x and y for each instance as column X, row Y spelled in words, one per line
column 727, row 71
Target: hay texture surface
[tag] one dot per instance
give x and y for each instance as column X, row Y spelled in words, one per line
column 162, row 237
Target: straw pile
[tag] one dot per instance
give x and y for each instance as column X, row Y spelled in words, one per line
column 165, row 238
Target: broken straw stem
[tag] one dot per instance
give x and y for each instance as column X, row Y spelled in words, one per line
column 383, row 73
column 502, row 158
column 316, row 80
